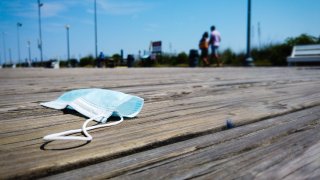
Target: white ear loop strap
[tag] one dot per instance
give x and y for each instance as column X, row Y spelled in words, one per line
column 85, row 129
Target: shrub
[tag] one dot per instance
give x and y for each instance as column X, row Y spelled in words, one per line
column 116, row 59
column 303, row 39
column 87, row 61
column 228, row 56
column 182, row 58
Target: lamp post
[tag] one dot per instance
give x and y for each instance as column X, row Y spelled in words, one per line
column 68, row 45
column 29, row 52
column 249, row 59
column 95, row 28
column 10, row 57
column 18, row 38
column 4, row 47
column 40, row 33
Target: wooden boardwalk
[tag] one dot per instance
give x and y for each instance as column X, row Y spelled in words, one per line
column 180, row 132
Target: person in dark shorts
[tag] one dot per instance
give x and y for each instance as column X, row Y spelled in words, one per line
column 204, row 45
column 215, row 39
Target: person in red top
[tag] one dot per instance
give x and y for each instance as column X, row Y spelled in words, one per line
column 203, row 45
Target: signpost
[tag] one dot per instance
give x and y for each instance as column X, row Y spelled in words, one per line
column 156, row 47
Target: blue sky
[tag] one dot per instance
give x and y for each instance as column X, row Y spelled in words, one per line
column 131, row 24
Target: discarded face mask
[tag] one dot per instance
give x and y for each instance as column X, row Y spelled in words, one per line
column 97, row 105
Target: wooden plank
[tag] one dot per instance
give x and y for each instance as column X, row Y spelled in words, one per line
column 180, row 102
column 282, row 144
column 304, row 166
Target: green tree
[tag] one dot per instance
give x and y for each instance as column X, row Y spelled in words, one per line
column 116, row 59
column 182, row 58
column 303, row 39
column 228, row 56
column 278, row 54
column 87, row 61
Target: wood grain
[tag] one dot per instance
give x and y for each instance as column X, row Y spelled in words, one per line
column 180, row 104
column 257, row 150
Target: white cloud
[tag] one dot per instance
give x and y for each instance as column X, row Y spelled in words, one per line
column 18, row 8
column 152, row 27
column 30, row 9
column 52, row 9
column 120, row 8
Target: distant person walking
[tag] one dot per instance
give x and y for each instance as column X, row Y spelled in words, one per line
column 204, row 46
column 100, row 59
column 215, row 39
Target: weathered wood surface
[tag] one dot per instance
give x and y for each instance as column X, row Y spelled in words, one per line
column 282, row 147
column 180, row 104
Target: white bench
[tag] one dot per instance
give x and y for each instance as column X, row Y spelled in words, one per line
column 55, row 64
column 305, row 53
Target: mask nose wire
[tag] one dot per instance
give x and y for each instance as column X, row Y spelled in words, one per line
column 84, row 129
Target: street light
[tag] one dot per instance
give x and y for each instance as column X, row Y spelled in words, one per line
column 29, row 52
column 4, row 47
column 10, row 57
column 249, row 59
column 18, row 37
column 95, row 28
column 40, row 34
column 68, row 47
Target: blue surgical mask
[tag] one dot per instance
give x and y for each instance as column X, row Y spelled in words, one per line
column 97, row 105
